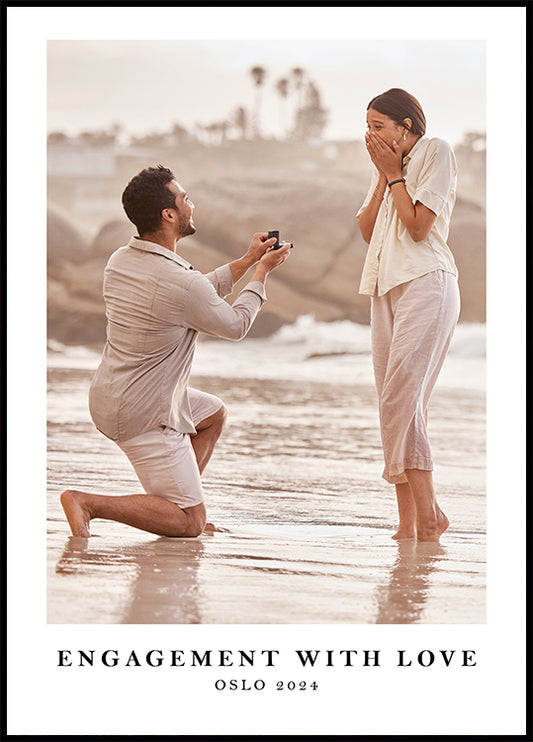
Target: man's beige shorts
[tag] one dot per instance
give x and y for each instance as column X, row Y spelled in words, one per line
column 164, row 459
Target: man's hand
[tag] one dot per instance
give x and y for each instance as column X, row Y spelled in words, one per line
column 258, row 246
column 270, row 261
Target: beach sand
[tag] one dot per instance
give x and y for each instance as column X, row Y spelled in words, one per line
column 296, row 478
column 266, row 574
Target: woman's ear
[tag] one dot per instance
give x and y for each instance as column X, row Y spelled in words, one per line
column 408, row 124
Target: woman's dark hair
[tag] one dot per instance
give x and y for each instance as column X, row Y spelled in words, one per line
column 146, row 195
column 399, row 105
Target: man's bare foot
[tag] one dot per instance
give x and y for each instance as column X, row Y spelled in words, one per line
column 433, row 531
column 78, row 518
column 211, row 528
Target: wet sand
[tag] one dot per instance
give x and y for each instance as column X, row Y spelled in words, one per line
column 296, row 479
column 267, row 574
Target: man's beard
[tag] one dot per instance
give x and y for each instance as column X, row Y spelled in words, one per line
column 187, row 229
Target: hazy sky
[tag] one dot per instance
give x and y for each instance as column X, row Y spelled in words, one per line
column 148, row 85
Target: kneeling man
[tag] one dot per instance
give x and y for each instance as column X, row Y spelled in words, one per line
column 156, row 304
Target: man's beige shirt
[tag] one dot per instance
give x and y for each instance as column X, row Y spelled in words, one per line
column 156, row 304
column 393, row 257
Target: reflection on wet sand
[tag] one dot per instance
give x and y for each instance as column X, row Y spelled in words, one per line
column 403, row 599
column 164, row 586
column 332, row 574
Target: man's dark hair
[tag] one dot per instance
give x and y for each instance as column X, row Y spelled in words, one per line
column 398, row 105
column 146, row 195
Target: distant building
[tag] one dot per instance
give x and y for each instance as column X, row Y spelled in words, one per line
column 73, row 159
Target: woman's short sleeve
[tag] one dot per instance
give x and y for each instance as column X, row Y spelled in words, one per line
column 437, row 177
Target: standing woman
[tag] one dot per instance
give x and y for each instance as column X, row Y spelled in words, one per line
column 411, row 275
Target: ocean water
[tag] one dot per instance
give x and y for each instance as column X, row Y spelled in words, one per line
column 295, row 477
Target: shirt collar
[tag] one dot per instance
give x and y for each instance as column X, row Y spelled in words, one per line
column 413, row 149
column 147, row 246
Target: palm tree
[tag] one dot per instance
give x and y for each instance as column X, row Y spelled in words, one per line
column 298, row 76
column 258, row 75
column 282, row 86
column 297, row 80
column 240, row 121
column 311, row 117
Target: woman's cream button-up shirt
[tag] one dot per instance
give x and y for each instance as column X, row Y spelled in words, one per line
column 393, row 257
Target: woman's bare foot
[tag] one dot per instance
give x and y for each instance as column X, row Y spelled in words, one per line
column 402, row 533
column 78, row 518
column 406, row 512
column 434, row 530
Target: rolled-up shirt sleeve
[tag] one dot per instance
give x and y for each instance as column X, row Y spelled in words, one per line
column 437, row 177
column 207, row 312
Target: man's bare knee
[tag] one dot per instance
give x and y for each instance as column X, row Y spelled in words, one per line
column 195, row 529
column 220, row 416
column 223, row 412
column 217, row 420
column 189, row 528
column 195, row 526
column 196, row 520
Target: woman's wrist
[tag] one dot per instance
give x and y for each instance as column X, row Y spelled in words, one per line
column 394, row 176
column 381, row 186
column 395, row 181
